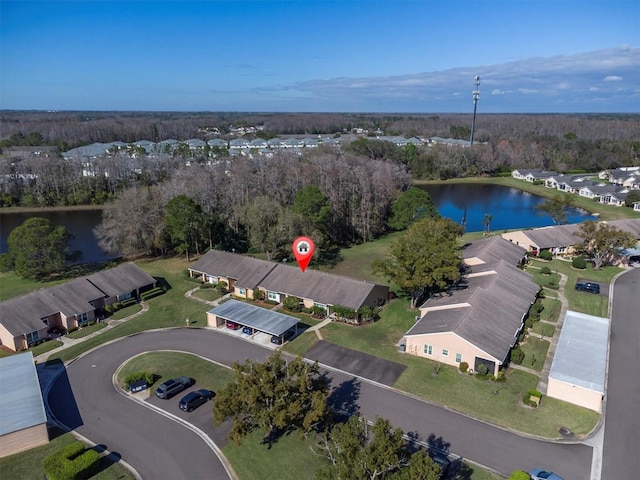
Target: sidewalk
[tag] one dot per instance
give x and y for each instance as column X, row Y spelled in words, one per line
column 553, row 341
column 68, row 342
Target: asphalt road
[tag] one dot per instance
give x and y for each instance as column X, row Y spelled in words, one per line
column 622, row 419
column 84, row 399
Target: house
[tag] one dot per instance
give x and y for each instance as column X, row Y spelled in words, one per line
column 531, row 175
column 578, row 371
column 561, row 239
column 614, row 198
column 24, row 421
column 217, row 143
column 636, row 206
column 597, row 191
column 478, row 319
column 322, row 289
column 244, row 275
column 25, row 320
column 239, row 144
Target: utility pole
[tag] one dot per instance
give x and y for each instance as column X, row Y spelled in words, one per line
column 476, row 96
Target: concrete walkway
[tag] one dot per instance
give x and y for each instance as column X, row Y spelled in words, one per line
column 316, row 328
column 543, row 382
column 68, row 342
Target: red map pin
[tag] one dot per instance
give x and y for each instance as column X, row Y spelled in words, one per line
column 303, row 248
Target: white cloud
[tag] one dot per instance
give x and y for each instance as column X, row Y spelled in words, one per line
column 541, row 83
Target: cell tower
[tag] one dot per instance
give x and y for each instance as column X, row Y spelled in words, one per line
column 476, row 96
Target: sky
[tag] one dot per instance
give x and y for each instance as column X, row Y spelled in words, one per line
column 414, row 56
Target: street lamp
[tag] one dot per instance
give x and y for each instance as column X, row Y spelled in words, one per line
column 476, row 96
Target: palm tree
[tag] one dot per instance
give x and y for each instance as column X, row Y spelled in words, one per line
column 486, row 221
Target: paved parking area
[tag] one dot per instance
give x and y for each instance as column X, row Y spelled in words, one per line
column 358, row 363
column 260, row 338
column 604, row 286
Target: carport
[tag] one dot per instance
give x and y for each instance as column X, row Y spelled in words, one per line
column 248, row 315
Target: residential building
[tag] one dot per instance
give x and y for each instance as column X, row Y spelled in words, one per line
column 25, row 320
column 23, row 422
column 478, row 319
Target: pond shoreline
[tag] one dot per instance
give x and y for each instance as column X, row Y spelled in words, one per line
column 66, row 208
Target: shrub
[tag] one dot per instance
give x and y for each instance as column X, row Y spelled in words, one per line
column 528, row 323
column 292, row 303
column 73, row 462
column 317, row 311
column 464, row 366
column 526, row 398
column 545, row 271
column 221, row 287
column 258, row 295
column 482, row 370
column 546, row 255
column 579, row 263
column 137, row 376
column 517, row 355
column 154, row 292
column 519, row 475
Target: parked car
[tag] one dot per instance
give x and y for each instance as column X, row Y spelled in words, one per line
column 233, row 326
column 172, row 387
column 588, row 287
column 193, row 400
column 443, row 462
column 539, row 474
column 247, row 331
column 279, row 340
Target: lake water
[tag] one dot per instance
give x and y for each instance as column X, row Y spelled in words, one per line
column 511, row 208
column 79, row 223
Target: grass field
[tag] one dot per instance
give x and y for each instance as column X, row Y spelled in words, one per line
column 28, row 464
column 543, row 328
column 551, row 309
column 87, row 330
column 535, row 352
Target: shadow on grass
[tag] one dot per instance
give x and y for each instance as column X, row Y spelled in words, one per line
column 105, row 460
column 163, row 284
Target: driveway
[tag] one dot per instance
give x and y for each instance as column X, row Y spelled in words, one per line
column 622, row 404
column 159, row 448
column 358, row 363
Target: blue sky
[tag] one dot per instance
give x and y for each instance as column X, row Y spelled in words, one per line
column 321, row 56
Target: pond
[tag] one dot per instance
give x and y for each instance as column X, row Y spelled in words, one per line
column 79, row 223
column 510, row 208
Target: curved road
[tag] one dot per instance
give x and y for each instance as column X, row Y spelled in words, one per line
column 158, row 448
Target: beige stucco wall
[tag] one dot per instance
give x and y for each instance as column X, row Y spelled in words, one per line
column 7, row 339
column 214, row 321
column 574, row 394
column 23, row 439
column 450, row 341
column 521, row 239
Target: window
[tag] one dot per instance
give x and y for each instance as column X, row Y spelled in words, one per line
column 32, row 337
column 83, row 319
column 242, row 291
column 273, row 296
column 458, row 357
column 428, row 350
column 445, row 352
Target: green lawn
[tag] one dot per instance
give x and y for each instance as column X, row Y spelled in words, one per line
column 535, row 352
column 28, row 464
column 45, row 347
column 125, row 312
column 87, row 330
column 551, row 281
column 582, row 301
column 543, row 328
column 165, row 365
column 551, row 310
column 301, row 343
column 209, row 294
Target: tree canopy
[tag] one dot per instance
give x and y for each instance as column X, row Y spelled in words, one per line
column 603, row 242
column 411, row 205
column 274, row 396
column 185, row 223
column 37, row 248
column 425, row 257
column 556, row 208
column 356, row 450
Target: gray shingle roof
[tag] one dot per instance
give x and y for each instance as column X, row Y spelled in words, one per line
column 497, row 302
column 23, row 314
column 493, row 249
column 247, row 271
column 268, row 321
column 319, row 286
column 21, row 405
column 120, row 280
column 581, row 355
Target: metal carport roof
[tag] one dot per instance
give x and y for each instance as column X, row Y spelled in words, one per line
column 258, row 318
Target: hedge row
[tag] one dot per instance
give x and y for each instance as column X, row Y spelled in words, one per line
column 151, row 293
column 136, row 377
column 73, row 462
